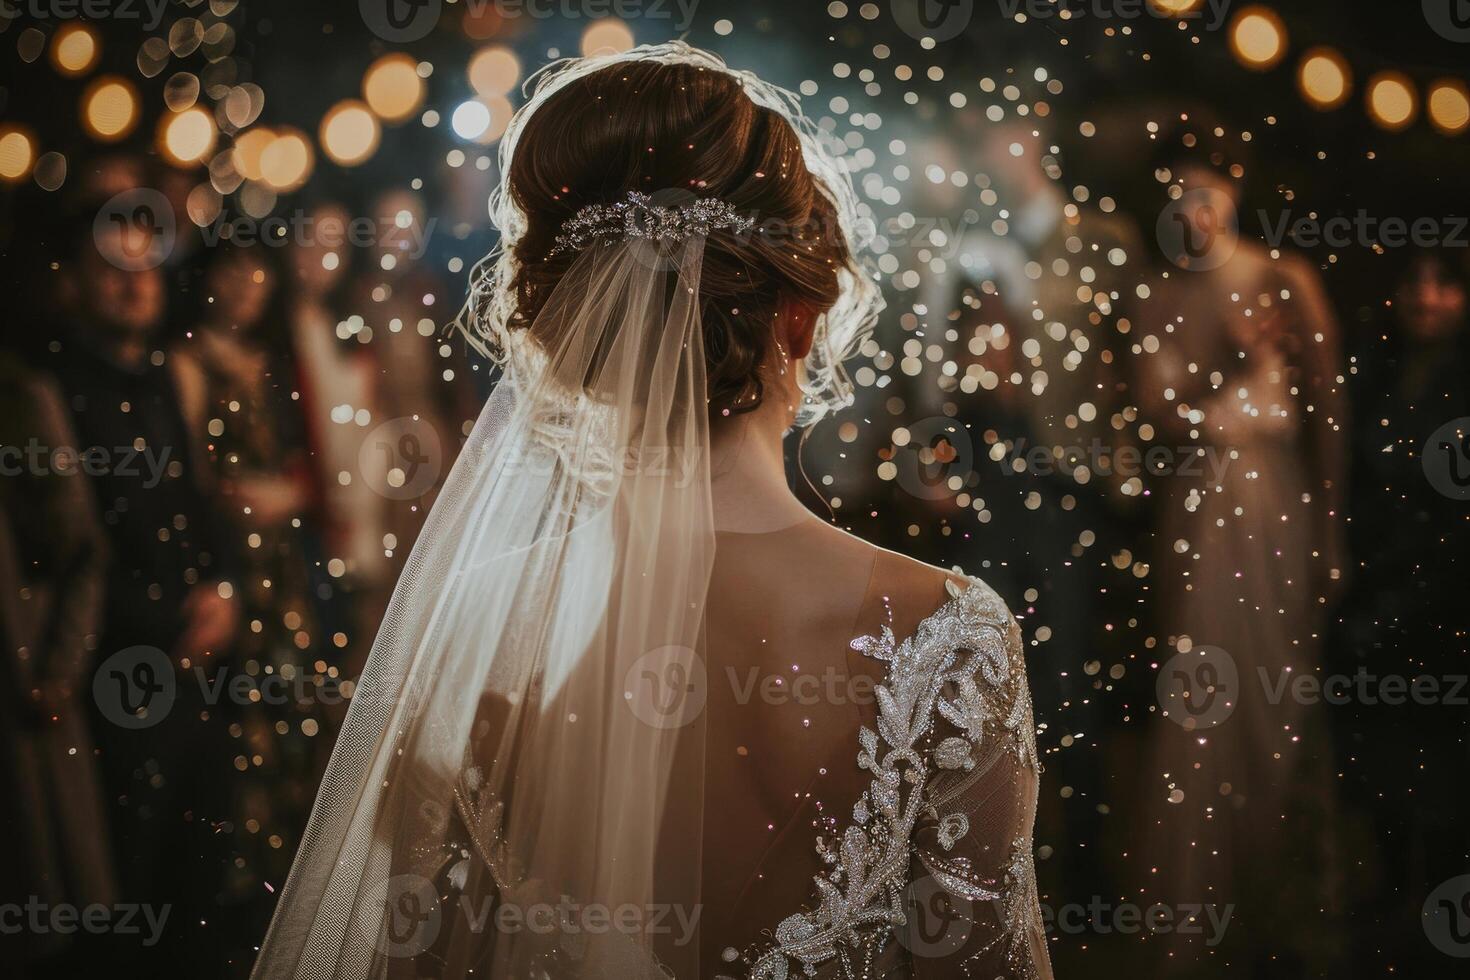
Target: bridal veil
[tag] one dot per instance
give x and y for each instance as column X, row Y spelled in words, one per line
column 524, row 751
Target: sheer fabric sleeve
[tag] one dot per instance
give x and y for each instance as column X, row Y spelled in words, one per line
column 973, row 894
column 933, row 875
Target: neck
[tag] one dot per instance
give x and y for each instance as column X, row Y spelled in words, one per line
column 748, row 469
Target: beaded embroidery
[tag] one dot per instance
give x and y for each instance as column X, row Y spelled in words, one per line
column 934, row 673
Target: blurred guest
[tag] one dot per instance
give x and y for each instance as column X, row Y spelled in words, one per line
column 51, row 572
column 169, row 597
column 240, row 403
column 1246, row 380
column 1405, row 616
column 334, row 373
column 422, row 399
column 1042, row 393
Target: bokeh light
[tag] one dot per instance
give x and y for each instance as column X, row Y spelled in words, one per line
column 494, row 71
column 1258, row 38
column 1324, row 78
column 607, row 36
column 349, row 133
column 1176, row 8
column 30, row 45
column 393, row 87
column 249, row 148
column 186, row 137
column 482, row 20
column 181, row 91
column 17, row 153
column 110, row 108
column 470, row 120
column 75, row 49
column 1391, row 100
column 153, row 57
column 50, row 171
column 1448, row 103
column 286, row 161
column 500, row 112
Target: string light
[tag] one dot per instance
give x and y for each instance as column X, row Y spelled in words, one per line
column 110, row 108
column 1324, row 78
column 1391, row 100
column 1176, row 8
column 1448, row 103
column 17, row 154
column 1258, row 38
column 75, row 49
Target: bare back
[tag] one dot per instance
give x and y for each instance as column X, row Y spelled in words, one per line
column 788, row 695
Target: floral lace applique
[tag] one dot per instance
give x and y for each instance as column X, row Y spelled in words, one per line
column 963, row 664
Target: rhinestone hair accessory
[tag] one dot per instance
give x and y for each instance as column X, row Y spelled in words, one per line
column 839, row 331
column 636, row 216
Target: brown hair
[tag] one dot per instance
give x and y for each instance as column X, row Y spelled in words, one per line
column 653, row 127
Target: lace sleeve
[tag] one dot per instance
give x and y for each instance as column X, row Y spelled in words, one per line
column 973, row 902
column 933, row 877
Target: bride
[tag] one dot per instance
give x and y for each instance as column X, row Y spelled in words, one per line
column 633, row 711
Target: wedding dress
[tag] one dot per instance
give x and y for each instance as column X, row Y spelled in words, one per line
column 598, row 737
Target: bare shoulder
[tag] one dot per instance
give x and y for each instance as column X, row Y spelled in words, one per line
column 902, row 592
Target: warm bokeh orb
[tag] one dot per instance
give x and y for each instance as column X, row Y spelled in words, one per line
column 286, row 161
column 75, row 49
column 349, row 133
column 393, row 88
column 1449, row 106
column 494, row 71
column 1391, row 100
column 1324, row 78
column 17, row 154
column 609, row 36
column 110, row 108
column 1258, row 38
column 186, row 137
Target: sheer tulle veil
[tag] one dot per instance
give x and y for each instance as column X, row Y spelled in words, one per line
column 517, row 790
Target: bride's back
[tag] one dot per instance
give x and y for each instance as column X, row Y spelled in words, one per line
column 787, row 694
column 521, row 742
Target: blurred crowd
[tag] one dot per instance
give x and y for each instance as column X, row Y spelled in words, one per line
column 216, row 460
column 213, row 474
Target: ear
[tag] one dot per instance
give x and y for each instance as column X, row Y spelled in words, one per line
column 795, row 327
